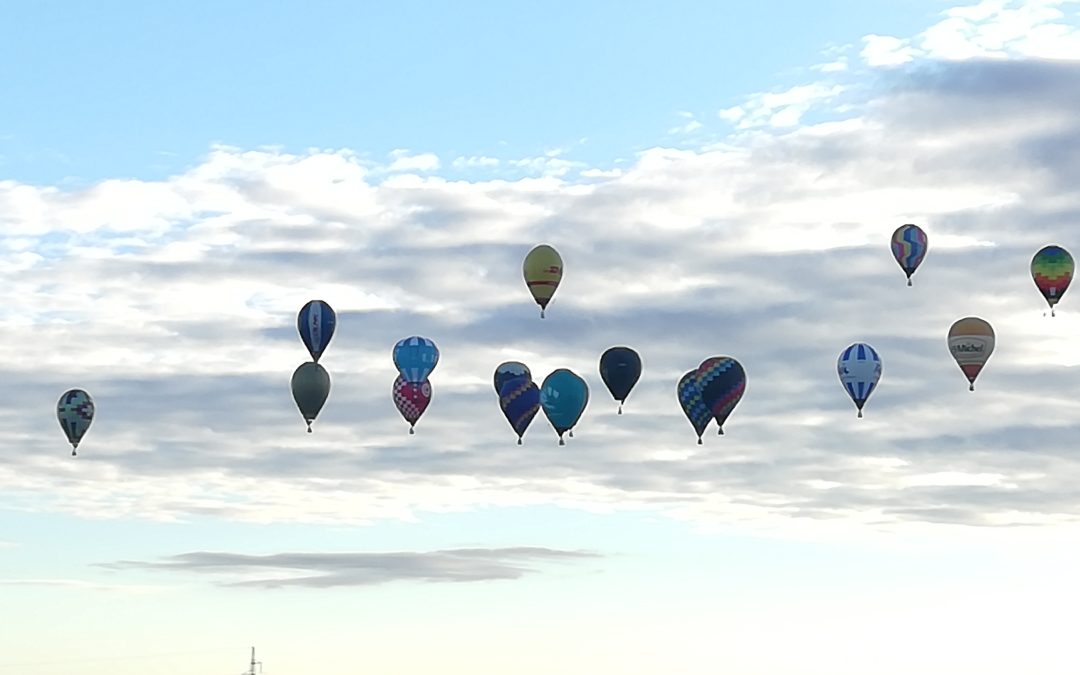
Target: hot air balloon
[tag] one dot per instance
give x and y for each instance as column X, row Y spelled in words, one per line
column 722, row 382
column 415, row 358
column 411, row 399
column 543, row 270
column 316, row 322
column 519, row 399
column 507, row 371
column 563, row 397
column 1052, row 269
column 75, row 410
column 859, row 368
column 693, row 406
column 909, row 248
column 310, row 388
column 620, row 369
column 971, row 341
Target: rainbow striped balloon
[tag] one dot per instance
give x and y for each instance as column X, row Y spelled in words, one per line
column 909, row 248
column 1052, row 269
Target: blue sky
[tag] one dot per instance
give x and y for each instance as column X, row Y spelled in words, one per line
column 176, row 182
column 133, row 89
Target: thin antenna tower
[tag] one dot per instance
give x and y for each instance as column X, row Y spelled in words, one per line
column 254, row 663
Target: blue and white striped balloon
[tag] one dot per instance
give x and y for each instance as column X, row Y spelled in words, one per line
column 316, row 323
column 415, row 358
column 859, row 367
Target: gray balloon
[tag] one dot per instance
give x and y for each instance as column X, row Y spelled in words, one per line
column 310, row 388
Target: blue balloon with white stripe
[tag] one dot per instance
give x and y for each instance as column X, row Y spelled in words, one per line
column 316, row 323
column 415, row 358
column 859, row 367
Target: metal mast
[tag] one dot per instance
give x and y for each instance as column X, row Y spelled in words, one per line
column 254, row 663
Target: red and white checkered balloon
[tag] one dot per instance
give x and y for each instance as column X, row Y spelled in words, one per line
column 411, row 399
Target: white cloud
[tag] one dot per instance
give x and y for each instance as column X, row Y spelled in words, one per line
column 781, row 109
column 839, row 65
column 403, row 161
column 993, row 29
column 476, row 161
column 884, row 50
column 689, row 125
column 174, row 302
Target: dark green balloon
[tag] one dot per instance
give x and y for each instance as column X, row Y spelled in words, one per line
column 310, row 388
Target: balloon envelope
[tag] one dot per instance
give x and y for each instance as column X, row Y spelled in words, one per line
column 1052, row 270
column 692, row 404
column 971, row 341
column 909, row 247
column 519, row 399
column 563, row 397
column 722, row 382
column 859, row 367
column 509, row 370
column 620, row 369
column 75, row 410
column 316, row 322
column 411, row 399
column 310, row 388
column 543, row 270
column 415, row 358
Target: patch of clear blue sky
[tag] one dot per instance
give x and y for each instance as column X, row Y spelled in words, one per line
column 128, row 88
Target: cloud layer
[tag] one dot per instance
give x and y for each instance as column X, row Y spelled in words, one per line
column 174, row 303
column 328, row 570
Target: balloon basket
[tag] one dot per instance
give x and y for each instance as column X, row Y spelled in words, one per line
column 411, row 432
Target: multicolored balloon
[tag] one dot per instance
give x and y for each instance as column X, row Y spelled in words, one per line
column 563, row 397
column 859, row 368
column 310, row 389
column 971, row 342
column 722, row 382
column 519, row 399
column 415, row 358
column 909, row 248
column 507, row 371
column 620, row 369
column 1052, row 270
column 411, row 399
column 75, row 410
column 316, row 322
column 692, row 404
column 543, row 270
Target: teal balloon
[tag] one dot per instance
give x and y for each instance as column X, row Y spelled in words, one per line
column 310, row 389
column 563, row 396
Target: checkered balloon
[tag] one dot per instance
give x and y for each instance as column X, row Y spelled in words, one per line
column 411, row 399
column 75, row 411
